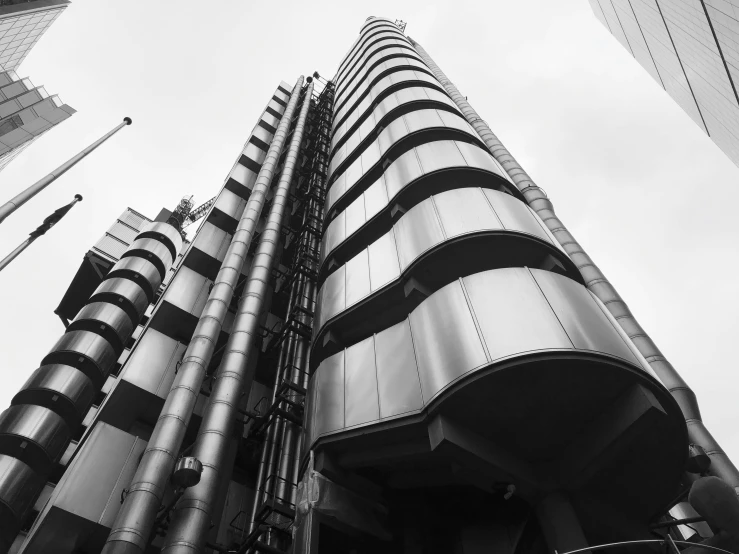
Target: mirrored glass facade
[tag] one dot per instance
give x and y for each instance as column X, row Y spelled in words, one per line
column 21, row 26
column 691, row 48
column 26, row 112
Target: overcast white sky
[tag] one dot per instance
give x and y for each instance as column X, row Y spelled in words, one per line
column 649, row 196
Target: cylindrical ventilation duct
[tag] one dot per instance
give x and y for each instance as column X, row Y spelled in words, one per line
column 595, row 280
column 192, row 516
column 133, row 525
column 278, row 467
column 36, row 429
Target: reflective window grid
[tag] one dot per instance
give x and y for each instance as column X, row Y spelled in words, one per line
column 26, row 112
column 691, row 48
column 18, row 34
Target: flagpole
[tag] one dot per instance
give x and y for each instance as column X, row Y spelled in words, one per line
column 23, row 197
column 48, row 223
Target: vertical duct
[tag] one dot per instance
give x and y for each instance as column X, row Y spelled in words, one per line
column 133, row 525
column 596, row 281
column 280, row 451
column 192, row 516
column 46, row 412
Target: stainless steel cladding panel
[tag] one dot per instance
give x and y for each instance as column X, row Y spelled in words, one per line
column 153, row 362
column 437, row 155
column 140, row 271
column 188, row 291
column 428, row 227
column 398, row 385
column 212, row 240
column 19, row 487
column 108, row 320
column 357, row 278
column 152, row 250
column 230, row 204
column 329, row 415
column 88, row 345
column 56, row 385
column 445, row 339
column 84, row 503
column 360, row 384
column 516, row 320
column 384, row 265
column 584, row 321
column 124, row 293
column 407, row 172
column 416, row 232
column 33, row 434
column 470, row 323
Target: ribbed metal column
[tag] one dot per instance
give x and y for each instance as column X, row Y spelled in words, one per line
column 192, row 516
column 36, row 429
column 595, row 280
column 133, row 525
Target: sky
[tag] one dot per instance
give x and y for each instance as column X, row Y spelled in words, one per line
column 647, row 194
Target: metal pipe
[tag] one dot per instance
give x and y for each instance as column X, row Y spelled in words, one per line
column 48, row 223
column 595, row 280
column 192, row 517
column 135, row 520
column 19, row 199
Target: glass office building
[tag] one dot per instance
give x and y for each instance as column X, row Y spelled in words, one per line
column 26, row 111
column 22, row 23
column 691, row 49
column 380, row 339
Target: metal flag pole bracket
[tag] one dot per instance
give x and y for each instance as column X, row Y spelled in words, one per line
column 41, row 230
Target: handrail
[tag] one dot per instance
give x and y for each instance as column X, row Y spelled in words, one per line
column 644, row 541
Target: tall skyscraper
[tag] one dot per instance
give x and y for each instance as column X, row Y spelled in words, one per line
column 380, row 339
column 26, row 112
column 691, row 50
column 22, row 23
